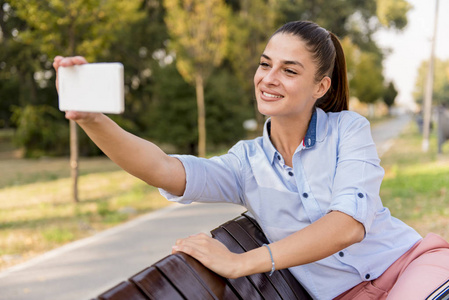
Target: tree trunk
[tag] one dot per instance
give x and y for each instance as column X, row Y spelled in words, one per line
column 74, row 158
column 199, row 84
column 371, row 110
column 74, row 153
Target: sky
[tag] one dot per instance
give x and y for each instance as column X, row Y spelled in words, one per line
column 413, row 45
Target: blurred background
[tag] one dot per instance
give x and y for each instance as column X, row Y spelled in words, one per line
column 189, row 63
column 164, row 45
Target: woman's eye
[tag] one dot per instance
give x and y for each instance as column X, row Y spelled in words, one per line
column 290, row 72
column 264, row 65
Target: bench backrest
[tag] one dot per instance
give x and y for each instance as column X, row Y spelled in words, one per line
column 180, row 276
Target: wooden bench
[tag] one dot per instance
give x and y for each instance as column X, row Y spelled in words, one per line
column 180, row 276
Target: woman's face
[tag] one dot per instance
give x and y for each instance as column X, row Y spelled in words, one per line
column 285, row 83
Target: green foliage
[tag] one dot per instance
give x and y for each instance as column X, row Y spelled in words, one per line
column 82, row 27
column 393, row 13
column 171, row 117
column 332, row 15
column 226, row 110
column 41, row 129
column 440, row 82
column 10, row 91
column 367, row 83
column 199, row 32
column 135, row 33
column 199, row 35
column 390, row 94
column 249, row 34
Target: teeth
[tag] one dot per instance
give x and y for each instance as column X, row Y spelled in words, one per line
column 270, row 95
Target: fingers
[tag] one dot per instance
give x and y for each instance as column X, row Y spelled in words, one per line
column 60, row 61
column 210, row 252
column 56, row 61
column 194, row 245
column 82, row 117
column 71, row 61
column 72, row 115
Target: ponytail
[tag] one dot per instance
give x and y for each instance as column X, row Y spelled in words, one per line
column 337, row 97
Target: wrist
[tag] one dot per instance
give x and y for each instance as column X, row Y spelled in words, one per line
column 255, row 261
column 273, row 266
column 87, row 119
column 241, row 266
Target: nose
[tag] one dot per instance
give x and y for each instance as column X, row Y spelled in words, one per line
column 271, row 77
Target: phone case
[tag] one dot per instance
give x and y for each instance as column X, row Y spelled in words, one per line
column 96, row 87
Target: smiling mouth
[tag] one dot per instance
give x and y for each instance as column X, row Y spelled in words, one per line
column 272, row 96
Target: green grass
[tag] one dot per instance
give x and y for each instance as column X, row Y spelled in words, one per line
column 415, row 187
column 37, row 217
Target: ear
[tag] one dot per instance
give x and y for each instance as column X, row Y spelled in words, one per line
column 322, row 87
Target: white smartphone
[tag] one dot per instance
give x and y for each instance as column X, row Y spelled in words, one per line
column 96, row 87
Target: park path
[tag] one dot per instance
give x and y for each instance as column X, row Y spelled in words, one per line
column 85, row 268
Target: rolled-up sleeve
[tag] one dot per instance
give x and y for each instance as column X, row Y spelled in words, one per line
column 217, row 179
column 358, row 174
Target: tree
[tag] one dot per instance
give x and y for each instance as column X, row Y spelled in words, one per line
column 172, row 116
column 352, row 57
column 82, row 27
column 199, row 36
column 390, row 94
column 440, row 83
column 17, row 64
column 392, row 13
column 248, row 37
column 367, row 83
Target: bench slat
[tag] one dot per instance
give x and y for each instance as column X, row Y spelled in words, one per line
column 217, row 284
column 249, row 236
column 184, row 279
column 244, row 286
column 123, row 290
column 155, row 285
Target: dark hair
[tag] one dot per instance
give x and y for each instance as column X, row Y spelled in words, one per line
column 328, row 54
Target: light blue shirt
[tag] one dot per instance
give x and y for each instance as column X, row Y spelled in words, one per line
column 336, row 168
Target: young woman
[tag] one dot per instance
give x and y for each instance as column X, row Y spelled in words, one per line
column 311, row 181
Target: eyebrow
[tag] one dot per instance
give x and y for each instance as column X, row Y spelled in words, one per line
column 286, row 62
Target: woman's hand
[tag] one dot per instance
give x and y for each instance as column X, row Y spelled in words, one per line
column 61, row 61
column 211, row 253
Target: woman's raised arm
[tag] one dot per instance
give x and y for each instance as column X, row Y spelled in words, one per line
column 137, row 156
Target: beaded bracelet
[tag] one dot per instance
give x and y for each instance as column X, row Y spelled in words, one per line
column 272, row 260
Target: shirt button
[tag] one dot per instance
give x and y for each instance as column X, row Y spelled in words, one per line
column 290, row 173
column 360, row 195
column 341, row 254
column 367, row 276
column 279, row 157
column 305, row 195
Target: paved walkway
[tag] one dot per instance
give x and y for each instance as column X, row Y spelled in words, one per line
column 84, row 269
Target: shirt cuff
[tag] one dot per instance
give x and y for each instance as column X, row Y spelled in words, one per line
column 355, row 205
column 195, row 183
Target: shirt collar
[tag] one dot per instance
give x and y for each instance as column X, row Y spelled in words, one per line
column 316, row 131
column 310, row 138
